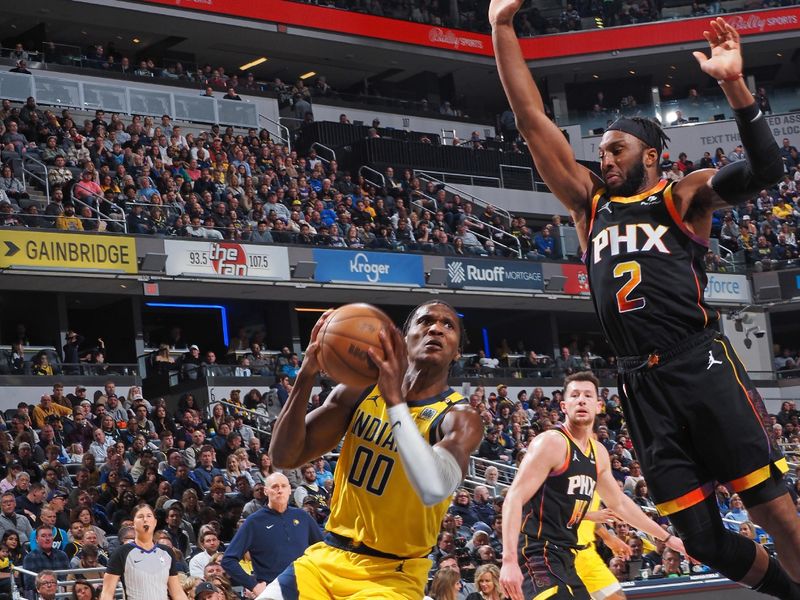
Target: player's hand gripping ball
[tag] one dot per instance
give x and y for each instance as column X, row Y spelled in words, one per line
column 343, row 343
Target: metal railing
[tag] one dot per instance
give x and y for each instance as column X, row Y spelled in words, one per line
column 793, row 451
column 330, row 151
column 281, row 129
column 462, row 178
column 492, row 228
column 477, row 469
column 370, row 170
column 515, row 250
column 475, row 200
column 255, row 416
column 41, row 176
column 101, row 216
column 120, row 97
column 61, row 575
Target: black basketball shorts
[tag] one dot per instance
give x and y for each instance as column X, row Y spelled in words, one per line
column 696, row 419
column 548, row 572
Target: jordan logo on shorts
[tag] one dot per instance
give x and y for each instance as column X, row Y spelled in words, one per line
column 711, row 360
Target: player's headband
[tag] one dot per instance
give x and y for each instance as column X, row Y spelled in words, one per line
column 649, row 136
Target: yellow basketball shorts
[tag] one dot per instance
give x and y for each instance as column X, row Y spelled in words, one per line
column 324, row 572
column 594, row 573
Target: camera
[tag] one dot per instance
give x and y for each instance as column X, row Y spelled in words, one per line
column 759, row 333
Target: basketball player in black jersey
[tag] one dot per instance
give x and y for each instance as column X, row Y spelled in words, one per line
column 549, row 498
column 694, row 415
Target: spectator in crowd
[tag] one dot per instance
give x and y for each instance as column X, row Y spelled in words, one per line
column 270, row 551
column 464, row 587
column 46, row 408
column 10, row 520
column 309, row 487
column 46, row 585
column 205, row 472
column 208, row 541
column 44, row 558
column 670, row 564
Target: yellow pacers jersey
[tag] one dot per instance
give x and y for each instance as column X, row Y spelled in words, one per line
column 586, row 528
column 373, row 502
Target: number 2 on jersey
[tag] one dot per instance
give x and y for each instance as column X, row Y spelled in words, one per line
column 624, row 302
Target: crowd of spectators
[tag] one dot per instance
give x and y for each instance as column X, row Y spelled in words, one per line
column 74, row 467
column 761, row 230
column 148, row 177
column 75, row 464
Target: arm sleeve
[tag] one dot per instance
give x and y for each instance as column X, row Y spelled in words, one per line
column 763, row 167
column 240, row 544
column 432, row 471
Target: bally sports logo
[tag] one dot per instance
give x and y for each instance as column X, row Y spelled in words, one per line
column 450, row 38
column 461, row 273
column 757, row 23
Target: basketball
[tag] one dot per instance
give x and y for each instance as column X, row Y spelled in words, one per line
column 344, row 340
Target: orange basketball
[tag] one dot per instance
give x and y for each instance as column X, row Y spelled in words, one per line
column 344, row 340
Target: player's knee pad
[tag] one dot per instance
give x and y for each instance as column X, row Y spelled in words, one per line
column 727, row 552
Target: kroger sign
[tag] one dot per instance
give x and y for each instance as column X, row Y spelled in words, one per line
column 369, row 267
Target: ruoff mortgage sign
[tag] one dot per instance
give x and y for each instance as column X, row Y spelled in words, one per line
column 506, row 274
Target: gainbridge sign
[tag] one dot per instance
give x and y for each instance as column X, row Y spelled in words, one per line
column 227, row 259
column 67, row 251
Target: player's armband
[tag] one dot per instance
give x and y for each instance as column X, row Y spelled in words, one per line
column 741, row 180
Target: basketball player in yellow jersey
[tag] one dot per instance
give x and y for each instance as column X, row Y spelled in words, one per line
column 407, row 443
column 592, row 570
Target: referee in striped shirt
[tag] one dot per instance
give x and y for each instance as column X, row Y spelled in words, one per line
column 147, row 569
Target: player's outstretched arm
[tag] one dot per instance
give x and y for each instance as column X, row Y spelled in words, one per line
column 571, row 183
column 612, row 542
column 545, row 453
column 741, row 180
column 627, row 509
column 433, row 471
column 298, row 438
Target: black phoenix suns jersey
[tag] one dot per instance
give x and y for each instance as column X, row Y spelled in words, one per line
column 554, row 512
column 646, row 271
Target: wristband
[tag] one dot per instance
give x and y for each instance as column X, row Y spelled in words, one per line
column 730, row 79
column 668, row 538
